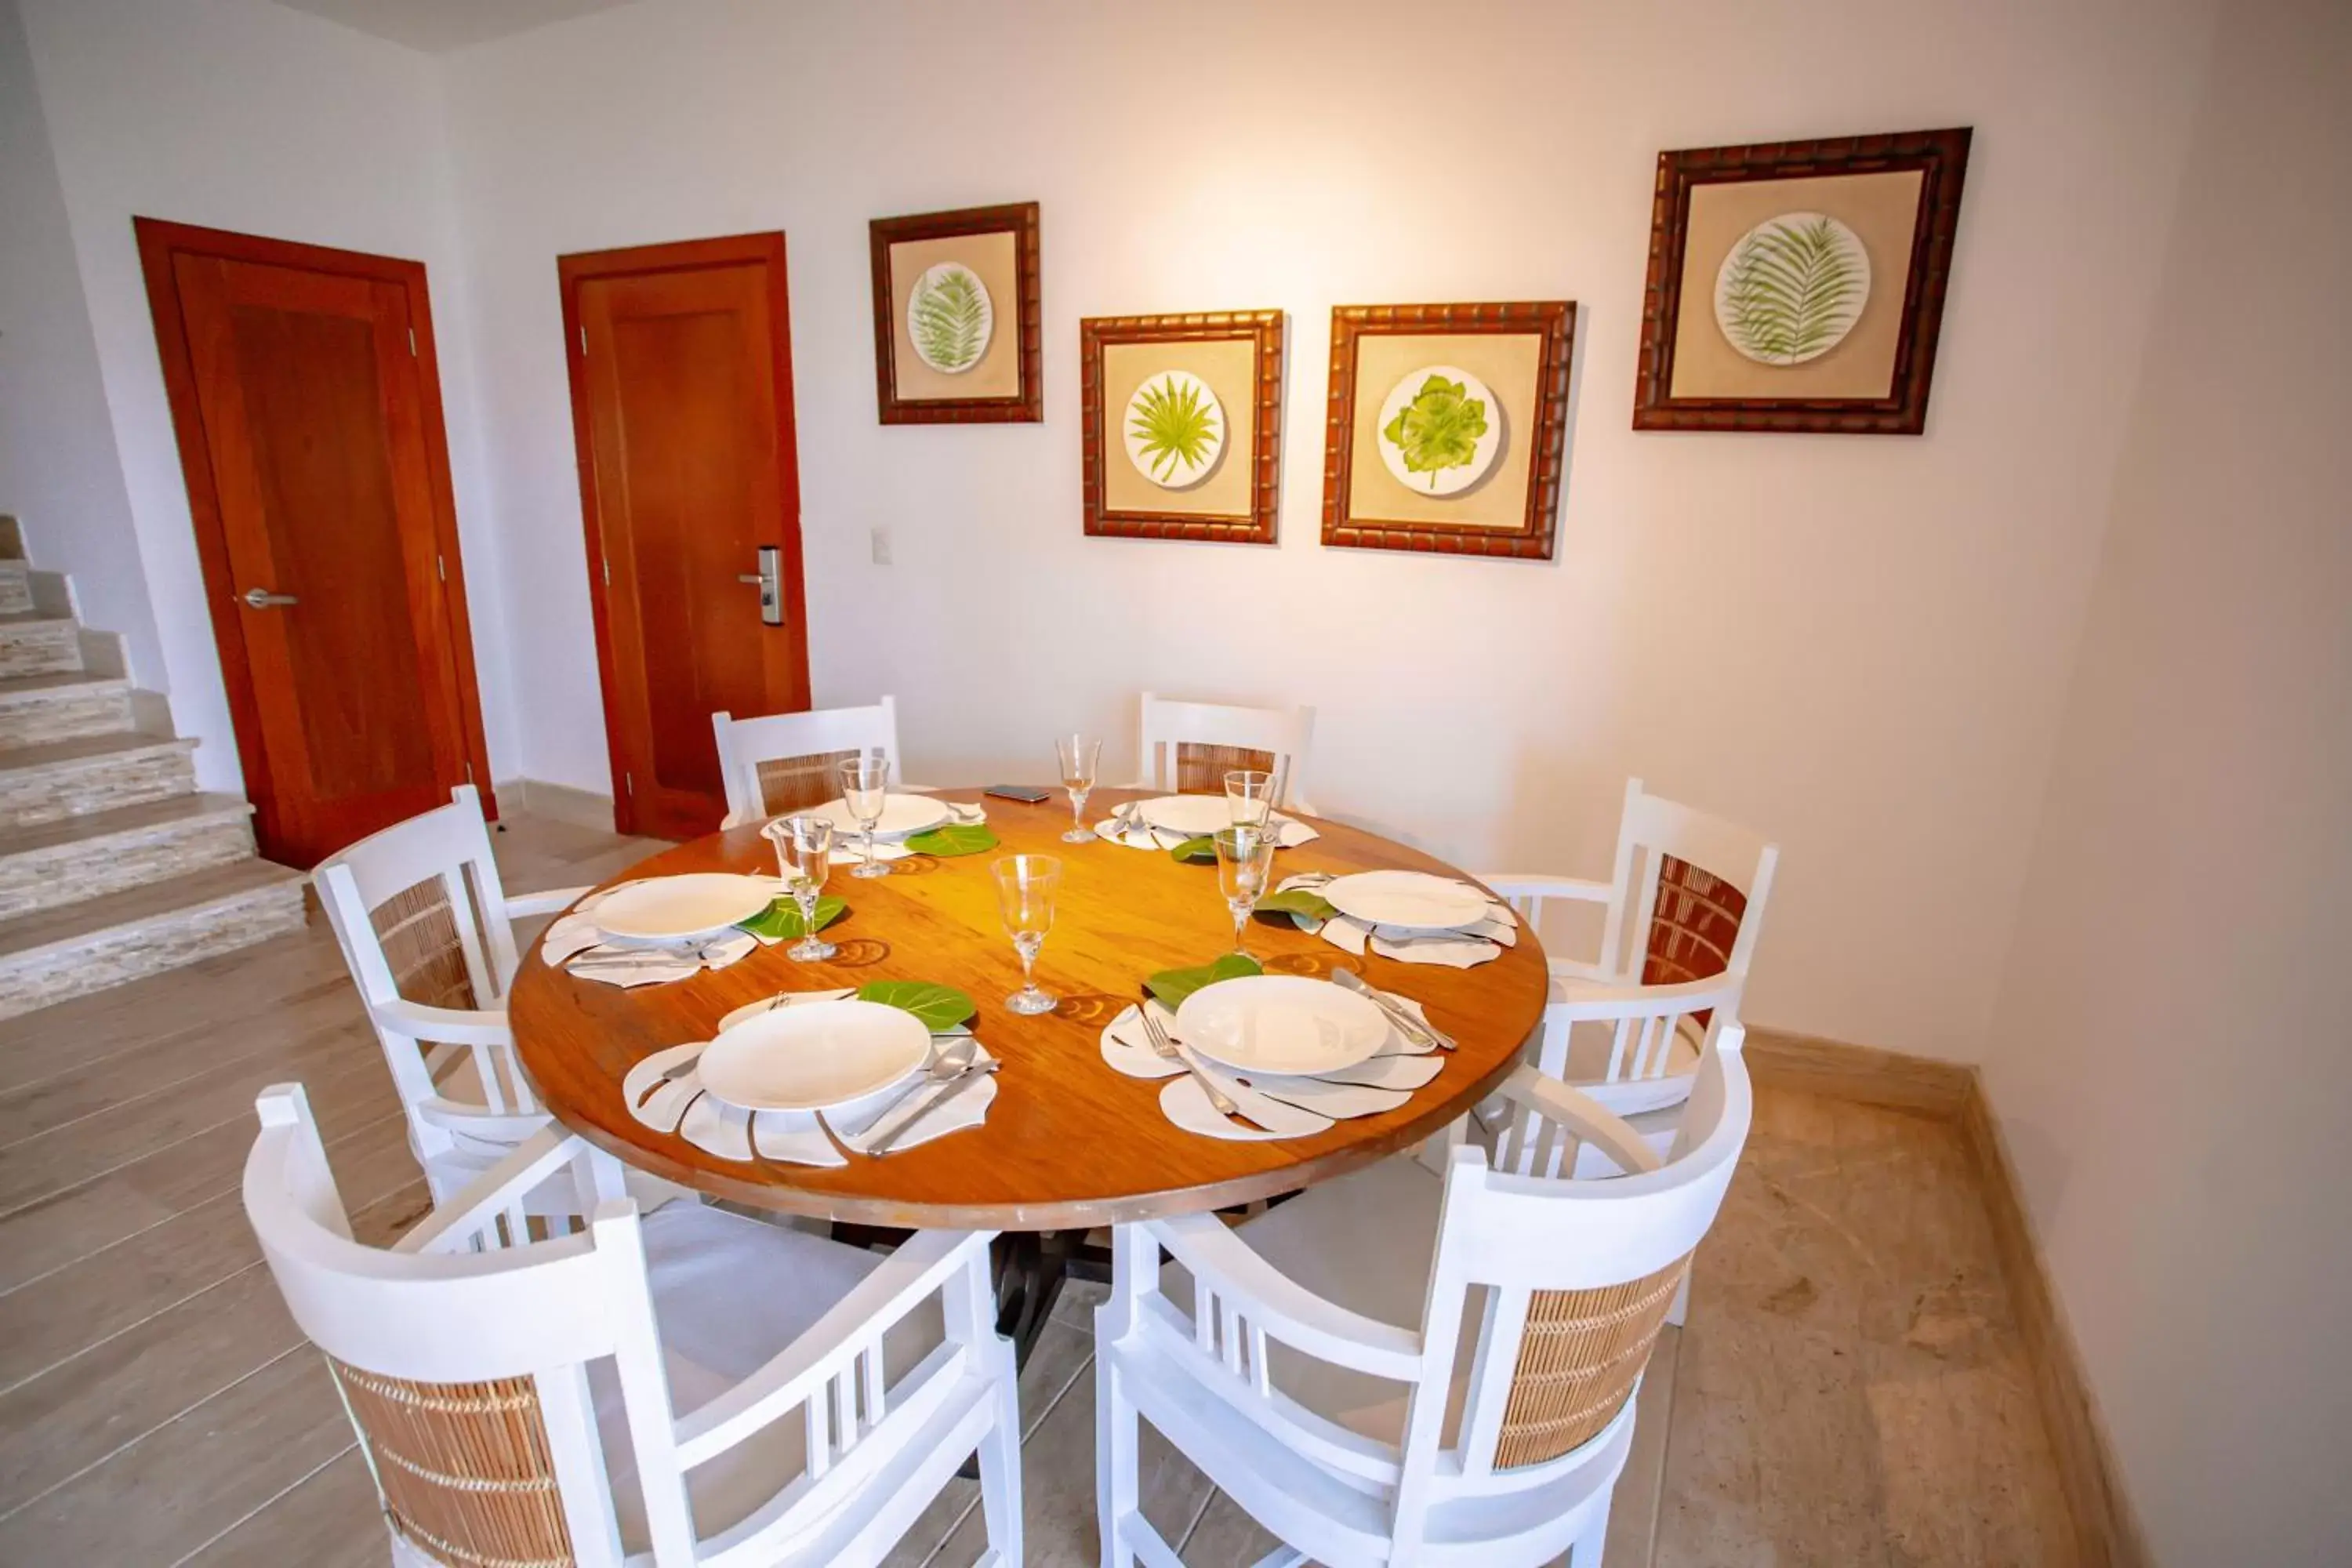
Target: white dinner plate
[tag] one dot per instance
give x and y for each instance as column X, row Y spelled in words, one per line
column 1192, row 816
column 814, row 1057
column 901, row 814
column 681, row 908
column 1281, row 1024
column 1409, row 900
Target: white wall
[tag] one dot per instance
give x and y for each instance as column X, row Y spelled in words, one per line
column 59, row 469
column 1859, row 644
column 2171, row 1061
column 246, row 116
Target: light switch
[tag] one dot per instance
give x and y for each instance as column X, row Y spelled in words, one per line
column 881, row 547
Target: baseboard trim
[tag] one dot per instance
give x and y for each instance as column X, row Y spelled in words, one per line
column 558, row 803
column 2107, row 1534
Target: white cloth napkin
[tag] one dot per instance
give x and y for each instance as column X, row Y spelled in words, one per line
column 1282, row 1105
column 1465, row 949
column 1142, row 835
column 682, row 1105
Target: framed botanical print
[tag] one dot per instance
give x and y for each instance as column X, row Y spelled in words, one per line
column 1183, row 424
column 1799, row 285
column 957, row 316
column 1448, row 427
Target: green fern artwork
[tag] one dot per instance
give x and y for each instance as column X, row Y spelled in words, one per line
column 1173, row 428
column 1792, row 289
column 1439, row 430
column 950, row 317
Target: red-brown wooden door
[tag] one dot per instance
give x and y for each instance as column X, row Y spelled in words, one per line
column 308, row 412
column 682, row 410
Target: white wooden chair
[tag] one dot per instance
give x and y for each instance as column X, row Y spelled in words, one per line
column 1327, row 1366
column 1681, row 915
column 785, row 761
column 691, row 1388
column 1189, row 747
column 425, row 927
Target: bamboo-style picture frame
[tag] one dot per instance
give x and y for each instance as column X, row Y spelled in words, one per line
column 993, row 336
column 1693, row 372
column 1371, row 503
column 1135, row 490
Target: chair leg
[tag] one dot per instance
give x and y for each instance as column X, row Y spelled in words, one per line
column 1000, row 1468
column 1117, row 1433
column 1680, row 1307
column 1586, row 1552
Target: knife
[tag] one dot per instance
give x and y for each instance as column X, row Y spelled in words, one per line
column 946, row 1088
column 1397, row 1012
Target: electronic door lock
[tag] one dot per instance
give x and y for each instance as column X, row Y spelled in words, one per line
column 770, row 579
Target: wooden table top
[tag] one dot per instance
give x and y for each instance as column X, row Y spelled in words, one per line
column 1070, row 1144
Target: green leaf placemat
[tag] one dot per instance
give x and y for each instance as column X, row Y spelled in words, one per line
column 1297, row 901
column 1173, row 985
column 955, row 838
column 1200, row 851
column 939, row 1006
column 781, row 921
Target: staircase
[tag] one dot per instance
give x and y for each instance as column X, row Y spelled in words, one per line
column 113, row 864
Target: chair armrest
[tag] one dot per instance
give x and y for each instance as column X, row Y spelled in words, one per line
column 1517, row 885
column 1587, row 1002
column 479, row 1121
column 1283, row 1307
column 453, row 1225
column 1590, row 974
column 792, row 1376
column 444, row 1025
column 1582, row 1115
column 545, row 903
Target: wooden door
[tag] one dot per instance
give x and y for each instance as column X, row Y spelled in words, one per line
column 306, row 399
column 682, row 410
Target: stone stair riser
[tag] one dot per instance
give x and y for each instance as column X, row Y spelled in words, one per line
column 50, row 878
column 45, row 647
column 15, row 590
column 67, row 716
column 35, row 795
column 110, row 957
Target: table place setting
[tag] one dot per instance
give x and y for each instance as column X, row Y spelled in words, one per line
column 1409, row 916
column 902, row 825
column 654, row 929
column 1175, row 822
column 802, row 1076
column 1286, row 1053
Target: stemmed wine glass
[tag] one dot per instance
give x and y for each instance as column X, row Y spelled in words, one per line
column 1026, row 885
column 1080, row 759
column 805, row 855
column 865, row 788
column 1245, row 863
column 1249, row 797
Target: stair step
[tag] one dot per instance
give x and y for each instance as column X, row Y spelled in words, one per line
column 55, row 954
column 12, row 539
column 32, row 642
column 16, row 587
column 63, row 706
column 91, row 774
column 79, row 858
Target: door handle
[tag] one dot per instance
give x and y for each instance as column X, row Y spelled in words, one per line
column 263, row 599
column 770, row 580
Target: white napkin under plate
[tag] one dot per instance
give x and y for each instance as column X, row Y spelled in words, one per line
column 1464, row 948
column 573, row 941
column 681, row 1105
column 1282, row 1105
column 1142, row 835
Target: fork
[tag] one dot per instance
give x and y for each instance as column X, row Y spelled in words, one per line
column 1165, row 1049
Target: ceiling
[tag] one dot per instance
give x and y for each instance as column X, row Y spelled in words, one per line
column 438, row 26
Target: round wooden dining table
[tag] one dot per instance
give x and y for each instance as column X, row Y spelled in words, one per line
column 1070, row 1144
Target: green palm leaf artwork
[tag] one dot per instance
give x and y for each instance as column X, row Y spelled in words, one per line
column 948, row 318
column 1439, row 430
column 1173, row 422
column 1792, row 288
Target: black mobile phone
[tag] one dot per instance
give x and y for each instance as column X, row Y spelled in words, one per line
column 1029, row 793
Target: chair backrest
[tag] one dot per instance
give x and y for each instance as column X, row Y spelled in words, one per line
column 1189, row 747
column 1688, row 892
column 420, row 914
column 462, row 1354
column 785, row 761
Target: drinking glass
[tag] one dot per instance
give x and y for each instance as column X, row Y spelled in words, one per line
column 1079, row 758
column 1026, row 885
column 805, row 856
column 1249, row 796
column 1245, row 864
column 864, row 787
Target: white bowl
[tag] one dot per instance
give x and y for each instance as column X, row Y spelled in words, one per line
column 1281, row 1024
column 814, row 1057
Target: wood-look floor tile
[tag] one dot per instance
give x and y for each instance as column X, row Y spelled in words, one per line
column 330, row 1521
